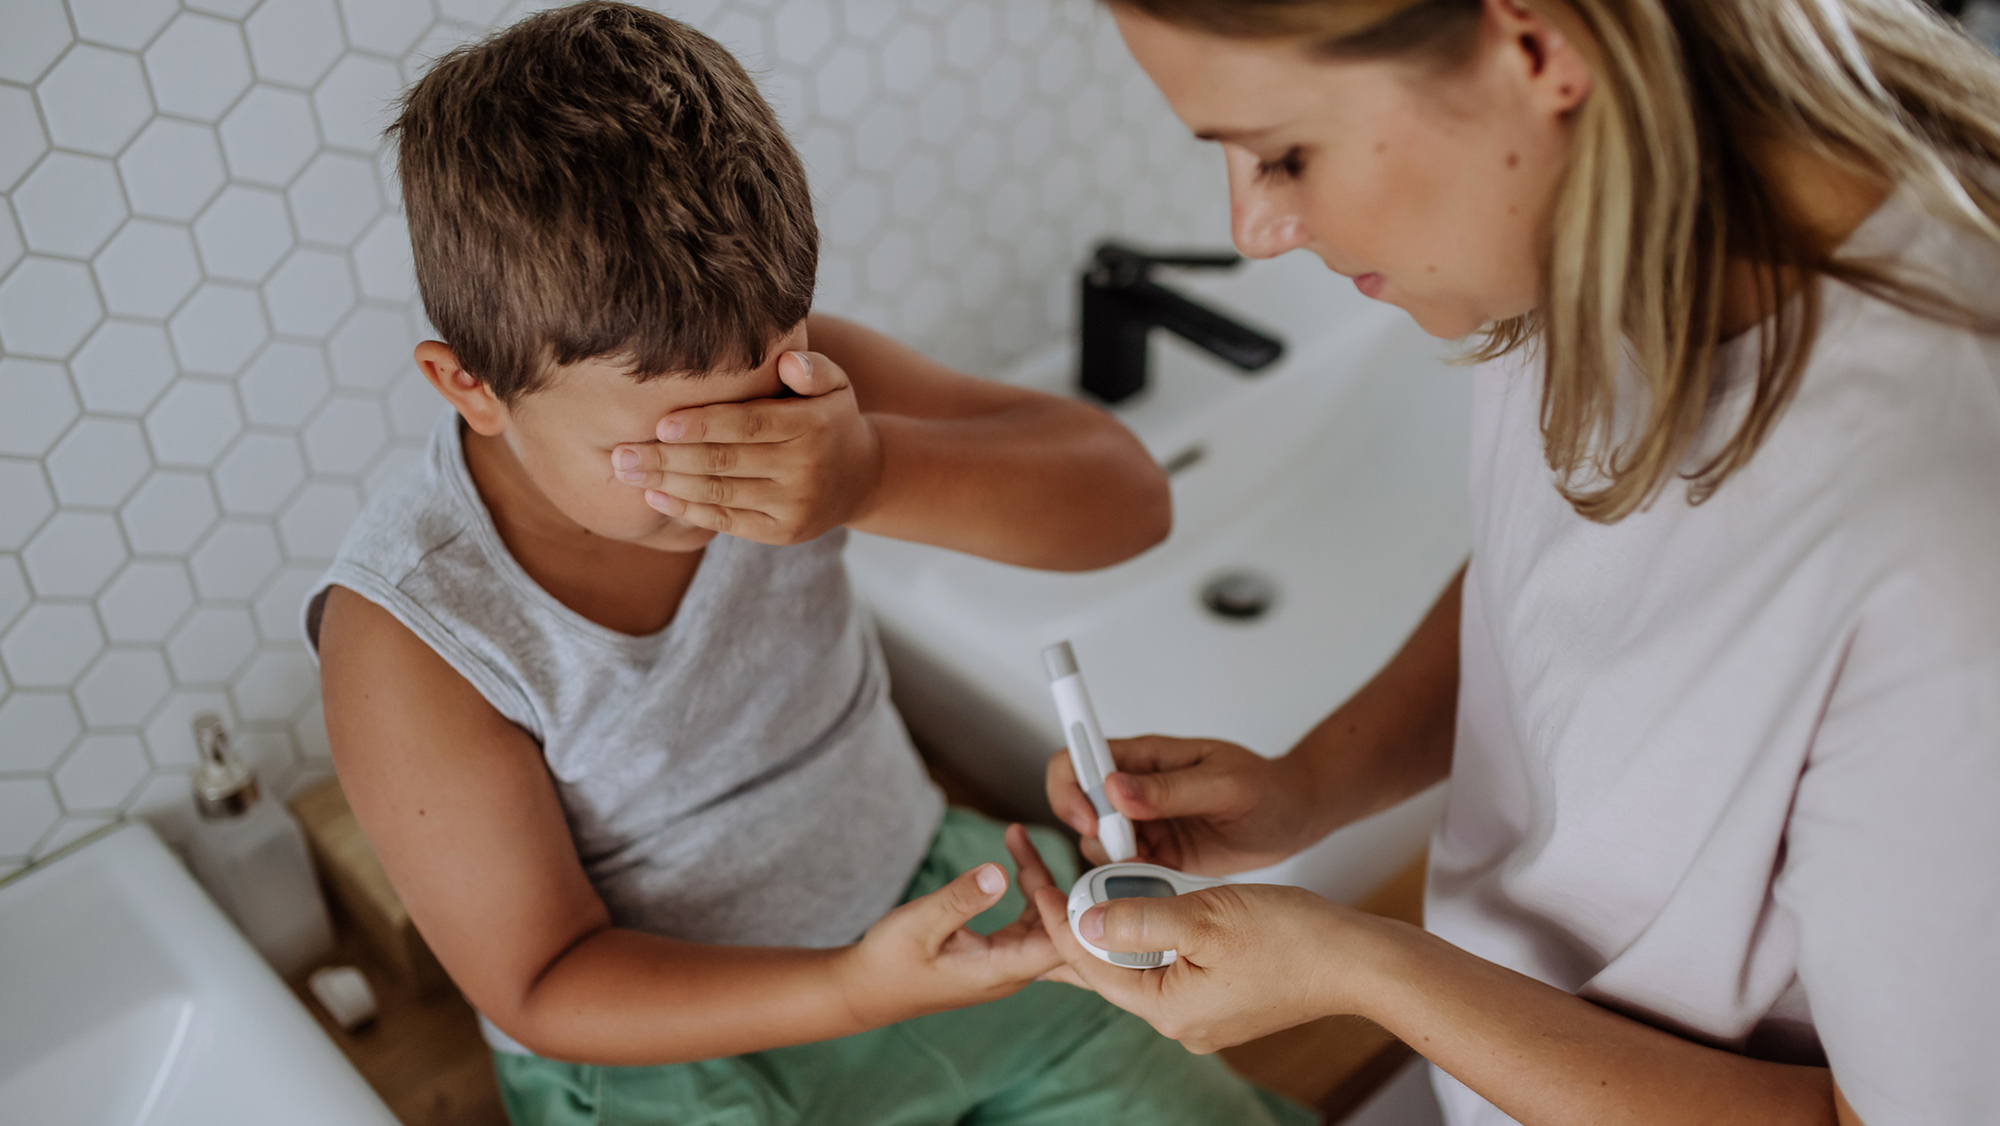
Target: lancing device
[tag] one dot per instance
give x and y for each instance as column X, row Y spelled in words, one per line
column 1130, row 881
column 1088, row 752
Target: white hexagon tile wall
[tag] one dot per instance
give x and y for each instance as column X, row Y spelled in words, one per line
column 206, row 312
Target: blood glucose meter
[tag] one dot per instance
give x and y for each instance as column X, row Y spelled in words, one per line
column 1130, row 880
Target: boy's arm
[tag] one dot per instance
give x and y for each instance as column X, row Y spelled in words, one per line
column 887, row 441
column 996, row 470
column 458, row 803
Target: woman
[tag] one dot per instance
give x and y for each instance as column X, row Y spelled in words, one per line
column 1719, row 691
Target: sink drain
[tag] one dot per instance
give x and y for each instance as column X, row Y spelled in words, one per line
column 1239, row 595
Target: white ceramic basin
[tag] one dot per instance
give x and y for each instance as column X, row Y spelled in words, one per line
column 1339, row 474
column 127, row 998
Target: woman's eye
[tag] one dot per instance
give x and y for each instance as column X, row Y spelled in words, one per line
column 1286, row 167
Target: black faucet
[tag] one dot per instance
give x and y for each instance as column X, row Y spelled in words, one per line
column 1122, row 303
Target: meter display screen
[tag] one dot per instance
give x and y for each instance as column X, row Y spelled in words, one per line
column 1137, row 887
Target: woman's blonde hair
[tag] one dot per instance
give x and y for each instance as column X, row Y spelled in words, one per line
column 1661, row 195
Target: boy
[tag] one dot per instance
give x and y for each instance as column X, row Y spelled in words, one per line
column 640, row 785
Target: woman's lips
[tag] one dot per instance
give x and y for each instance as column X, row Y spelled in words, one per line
column 1370, row 285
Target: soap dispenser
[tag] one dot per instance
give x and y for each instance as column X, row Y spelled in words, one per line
column 251, row 856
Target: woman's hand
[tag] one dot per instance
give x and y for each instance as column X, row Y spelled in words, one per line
column 1199, row 805
column 777, row 471
column 921, row 958
column 1251, row 959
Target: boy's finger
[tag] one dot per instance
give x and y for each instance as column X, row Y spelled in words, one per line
column 720, row 459
column 641, row 463
column 1093, row 850
column 760, row 420
column 753, row 493
column 1020, row 952
column 1030, row 872
column 940, row 914
column 743, row 523
column 1067, row 976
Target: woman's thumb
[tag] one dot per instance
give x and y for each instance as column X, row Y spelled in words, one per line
column 1138, row 924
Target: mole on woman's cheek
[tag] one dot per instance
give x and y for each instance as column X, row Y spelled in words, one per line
column 1513, row 159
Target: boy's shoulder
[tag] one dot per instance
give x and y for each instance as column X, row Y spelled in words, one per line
column 418, row 511
column 416, row 551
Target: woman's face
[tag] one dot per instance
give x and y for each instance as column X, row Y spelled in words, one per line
column 1429, row 186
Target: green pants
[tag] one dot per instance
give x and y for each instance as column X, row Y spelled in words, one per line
column 1049, row 1055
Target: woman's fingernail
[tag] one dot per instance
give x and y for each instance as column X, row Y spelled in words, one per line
column 991, row 880
column 623, row 460
column 1091, row 926
column 670, row 430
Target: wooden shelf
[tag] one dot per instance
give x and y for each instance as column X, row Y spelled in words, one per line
column 424, row 1056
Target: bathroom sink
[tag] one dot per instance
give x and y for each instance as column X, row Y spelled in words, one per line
column 1329, row 490
column 127, row 998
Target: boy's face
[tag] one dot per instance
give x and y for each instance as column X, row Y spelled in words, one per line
column 563, row 435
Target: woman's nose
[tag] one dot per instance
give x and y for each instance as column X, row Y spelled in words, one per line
column 1262, row 221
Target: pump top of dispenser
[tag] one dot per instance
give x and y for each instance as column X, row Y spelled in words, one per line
column 223, row 786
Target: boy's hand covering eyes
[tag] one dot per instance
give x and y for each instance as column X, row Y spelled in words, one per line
column 777, row 471
column 921, row 957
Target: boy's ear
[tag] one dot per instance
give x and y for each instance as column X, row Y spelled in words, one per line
column 472, row 399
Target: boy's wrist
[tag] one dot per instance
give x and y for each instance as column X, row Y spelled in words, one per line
column 857, row 989
column 874, row 470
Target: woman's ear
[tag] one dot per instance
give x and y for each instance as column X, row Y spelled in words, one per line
column 472, row 399
column 1557, row 75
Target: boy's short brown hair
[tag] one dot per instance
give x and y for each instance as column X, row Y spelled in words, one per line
column 602, row 181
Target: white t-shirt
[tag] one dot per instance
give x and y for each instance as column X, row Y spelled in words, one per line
column 1734, row 769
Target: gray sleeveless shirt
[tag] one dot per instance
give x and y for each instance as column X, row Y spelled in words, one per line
column 738, row 777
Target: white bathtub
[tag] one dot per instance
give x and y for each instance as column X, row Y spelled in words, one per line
column 1339, row 473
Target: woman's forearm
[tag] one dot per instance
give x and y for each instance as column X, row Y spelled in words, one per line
column 1548, row 1058
column 1392, row 738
